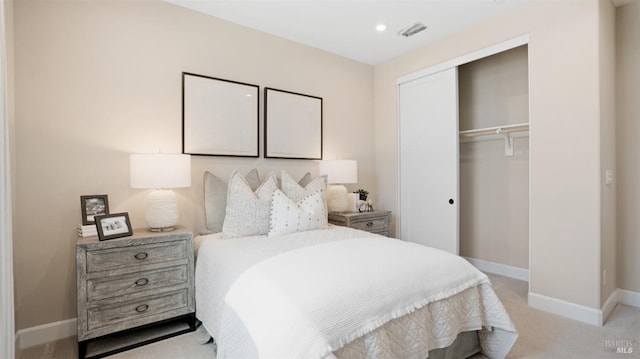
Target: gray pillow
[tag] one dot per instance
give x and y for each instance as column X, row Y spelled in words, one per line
column 304, row 181
column 215, row 198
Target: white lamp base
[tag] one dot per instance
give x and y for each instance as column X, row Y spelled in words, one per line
column 162, row 210
column 337, row 200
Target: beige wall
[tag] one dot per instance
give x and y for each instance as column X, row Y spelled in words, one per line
column 494, row 188
column 8, row 8
column 97, row 80
column 564, row 138
column 628, row 146
column 607, row 45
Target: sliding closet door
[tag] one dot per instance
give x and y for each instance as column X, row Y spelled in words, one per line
column 428, row 130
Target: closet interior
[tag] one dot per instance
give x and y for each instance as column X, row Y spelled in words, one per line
column 493, row 122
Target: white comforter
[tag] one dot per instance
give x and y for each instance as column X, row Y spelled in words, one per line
column 281, row 297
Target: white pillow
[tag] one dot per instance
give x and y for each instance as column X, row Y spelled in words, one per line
column 248, row 211
column 304, row 180
column 296, row 191
column 288, row 216
column 215, row 198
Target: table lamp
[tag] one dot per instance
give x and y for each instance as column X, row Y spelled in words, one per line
column 160, row 172
column 338, row 172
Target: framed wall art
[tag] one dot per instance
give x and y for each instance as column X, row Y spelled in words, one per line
column 93, row 205
column 112, row 226
column 293, row 125
column 219, row 117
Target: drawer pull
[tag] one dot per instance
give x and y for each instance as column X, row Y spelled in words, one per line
column 141, row 256
column 142, row 281
column 369, row 224
column 142, row 308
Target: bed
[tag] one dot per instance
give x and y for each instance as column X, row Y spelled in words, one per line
column 309, row 290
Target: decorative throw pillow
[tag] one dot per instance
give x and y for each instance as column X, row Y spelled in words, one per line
column 296, row 191
column 304, row 181
column 215, row 198
column 288, row 216
column 248, row 211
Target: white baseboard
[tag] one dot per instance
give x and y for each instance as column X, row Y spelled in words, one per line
column 566, row 309
column 585, row 314
column 556, row 306
column 46, row 333
column 628, row 297
column 500, row 269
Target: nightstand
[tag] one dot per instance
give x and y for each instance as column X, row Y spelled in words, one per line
column 375, row 222
column 134, row 290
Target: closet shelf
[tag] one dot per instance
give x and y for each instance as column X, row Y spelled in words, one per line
column 498, row 130
column 505, row 131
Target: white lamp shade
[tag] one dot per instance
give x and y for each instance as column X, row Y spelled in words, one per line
column 340, row 171
column 160, row 170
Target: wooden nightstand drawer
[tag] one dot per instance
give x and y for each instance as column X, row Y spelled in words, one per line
column 118, row 258
column 376, row 224
column 115, row 286
column 106, row 315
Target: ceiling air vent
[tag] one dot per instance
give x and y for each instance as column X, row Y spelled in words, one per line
column 410, row 31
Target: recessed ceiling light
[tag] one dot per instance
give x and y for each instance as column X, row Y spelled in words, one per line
column 381, row 27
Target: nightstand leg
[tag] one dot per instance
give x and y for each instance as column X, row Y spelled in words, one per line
column 82, row 349
column 192, row 321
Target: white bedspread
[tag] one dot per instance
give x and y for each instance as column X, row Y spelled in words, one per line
column 219, row 262
column 330, row 277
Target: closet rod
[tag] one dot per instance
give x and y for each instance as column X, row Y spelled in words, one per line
column 498, row 130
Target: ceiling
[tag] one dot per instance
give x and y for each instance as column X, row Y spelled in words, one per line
column 622, row 2
column 348, row 27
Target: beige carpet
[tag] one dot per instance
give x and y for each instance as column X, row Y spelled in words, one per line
column 542, row 335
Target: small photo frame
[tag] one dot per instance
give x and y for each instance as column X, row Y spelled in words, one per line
column 93, row 205
column 112, row 226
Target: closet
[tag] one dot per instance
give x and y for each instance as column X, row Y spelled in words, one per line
column 464, row 156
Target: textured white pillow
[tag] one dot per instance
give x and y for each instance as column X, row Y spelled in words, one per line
column 248, row 211
column 304, row 180
column 215, row 198
column 288, row 216
column 296, row 191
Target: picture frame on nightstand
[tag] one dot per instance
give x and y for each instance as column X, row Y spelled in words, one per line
column 93, row 205
column 112, row 226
